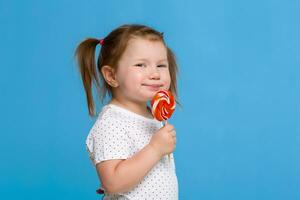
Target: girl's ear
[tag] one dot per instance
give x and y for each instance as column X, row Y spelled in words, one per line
column 109, row 75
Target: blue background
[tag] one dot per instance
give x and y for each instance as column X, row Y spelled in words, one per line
column 239, row 82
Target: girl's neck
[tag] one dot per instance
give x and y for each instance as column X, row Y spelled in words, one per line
column 138, row 108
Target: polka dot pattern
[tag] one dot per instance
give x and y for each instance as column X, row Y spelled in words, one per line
column 119, row 134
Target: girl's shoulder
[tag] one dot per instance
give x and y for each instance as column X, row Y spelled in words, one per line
column 111, row 112
column 115, row 117
column 125, row 114
column 109, row 120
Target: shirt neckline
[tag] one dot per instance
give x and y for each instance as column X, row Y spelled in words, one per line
column 131, row 112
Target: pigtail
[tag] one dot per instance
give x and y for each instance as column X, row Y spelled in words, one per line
column 85, row 54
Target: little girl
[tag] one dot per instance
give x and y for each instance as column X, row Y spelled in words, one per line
column 128, row 147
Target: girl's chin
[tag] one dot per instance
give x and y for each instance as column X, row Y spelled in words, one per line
column 147, row 96
column 151, row 95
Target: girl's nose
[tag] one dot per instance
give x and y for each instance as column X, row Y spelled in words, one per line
column 154, row 73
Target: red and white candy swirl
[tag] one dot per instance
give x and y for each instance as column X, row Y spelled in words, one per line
column 163, row 105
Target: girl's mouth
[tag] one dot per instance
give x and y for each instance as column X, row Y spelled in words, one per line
column 153, row 87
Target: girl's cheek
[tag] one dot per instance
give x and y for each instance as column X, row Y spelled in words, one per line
column 169, row 83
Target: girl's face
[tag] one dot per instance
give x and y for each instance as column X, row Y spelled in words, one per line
column 143, row 70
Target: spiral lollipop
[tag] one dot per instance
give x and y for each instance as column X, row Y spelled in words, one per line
column 163, row 105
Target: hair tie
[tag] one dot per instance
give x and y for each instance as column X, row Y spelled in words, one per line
column 101, row 42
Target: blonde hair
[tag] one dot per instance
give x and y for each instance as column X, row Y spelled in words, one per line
column 113, row 46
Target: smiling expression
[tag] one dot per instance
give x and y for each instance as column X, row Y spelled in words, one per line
column 143, row 70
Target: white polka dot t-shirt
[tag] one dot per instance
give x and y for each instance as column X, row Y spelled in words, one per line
column 118, row 134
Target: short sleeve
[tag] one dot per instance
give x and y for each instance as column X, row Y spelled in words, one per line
column 107, row 140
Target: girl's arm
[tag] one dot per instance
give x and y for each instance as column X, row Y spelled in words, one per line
column 122, row 175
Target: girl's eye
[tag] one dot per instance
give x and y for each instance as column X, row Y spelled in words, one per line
column 140, row 65
column 161, row 65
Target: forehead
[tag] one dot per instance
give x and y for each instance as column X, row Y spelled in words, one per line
column 139, row 48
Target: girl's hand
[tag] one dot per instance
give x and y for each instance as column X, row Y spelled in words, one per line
column 164, row 140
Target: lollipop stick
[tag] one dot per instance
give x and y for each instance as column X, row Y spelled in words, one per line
column 169, row 155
